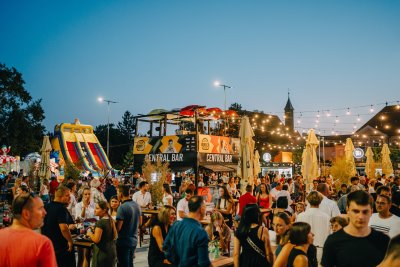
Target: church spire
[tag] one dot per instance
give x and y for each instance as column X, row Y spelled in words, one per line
column 289, row 114
column 289, row 105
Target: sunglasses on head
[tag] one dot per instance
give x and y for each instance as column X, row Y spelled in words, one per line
column 26, row 198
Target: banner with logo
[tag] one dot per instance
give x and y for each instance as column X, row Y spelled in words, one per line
column 218, row 144
column 164, row 144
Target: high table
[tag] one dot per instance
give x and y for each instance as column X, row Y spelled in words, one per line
column 150, row 211
column 153, row 213
column 223, row 262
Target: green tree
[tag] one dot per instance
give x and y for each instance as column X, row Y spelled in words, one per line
column 127, row 126
column 297, row 155
column 20, row 116
column 236, row 106
column 121, row 139
column 128, row 160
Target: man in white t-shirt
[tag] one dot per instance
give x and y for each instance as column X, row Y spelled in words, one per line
column 384, row 221
column 318, row 220
column 182, row 209
column 275, row 191
column 328, row 206
column 143, row 197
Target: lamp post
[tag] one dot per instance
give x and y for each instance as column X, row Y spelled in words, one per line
column 225, row 86
column 100, row 99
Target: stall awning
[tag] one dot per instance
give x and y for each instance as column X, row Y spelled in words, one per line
column 220, row 168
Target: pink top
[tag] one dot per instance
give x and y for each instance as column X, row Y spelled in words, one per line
column 25, row 247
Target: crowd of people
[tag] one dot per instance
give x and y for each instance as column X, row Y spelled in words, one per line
column 273, row 222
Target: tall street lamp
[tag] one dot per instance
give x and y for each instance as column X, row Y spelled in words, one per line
column 100, row 99
column 225, row 86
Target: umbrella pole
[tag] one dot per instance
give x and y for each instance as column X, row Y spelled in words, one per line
column 196, row 169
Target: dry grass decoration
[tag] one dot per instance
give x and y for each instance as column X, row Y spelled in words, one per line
column 160, row 169
column 341, row 170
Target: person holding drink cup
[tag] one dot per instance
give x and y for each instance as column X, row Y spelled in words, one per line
column 103, row 236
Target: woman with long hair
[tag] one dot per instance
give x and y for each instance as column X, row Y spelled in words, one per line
column 252, row 246
column 167, row 195
column 114, row 204
column 282, row 226
column 301, row 237
column 218, row 230
column 103, row 236
column 44, row 191
column 84, row 210
column 225, row 204
column 264, row 200
column 165, row 218
column 231, row 186
column 183, row 188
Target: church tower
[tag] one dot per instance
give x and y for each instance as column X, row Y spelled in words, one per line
column 289, row 115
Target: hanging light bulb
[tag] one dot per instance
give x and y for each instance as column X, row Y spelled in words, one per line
column 337, row 119
column 358, row 117
column 318, row 114
column 371, row 109
column 398, row 105
column 328, row 114
column 348, row 111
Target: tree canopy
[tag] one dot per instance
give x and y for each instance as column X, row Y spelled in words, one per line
column 121, row 139
column 20, row 116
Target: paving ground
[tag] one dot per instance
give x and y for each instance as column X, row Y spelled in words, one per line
column 141, row 253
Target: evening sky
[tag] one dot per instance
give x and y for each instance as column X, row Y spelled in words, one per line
column 167, row 54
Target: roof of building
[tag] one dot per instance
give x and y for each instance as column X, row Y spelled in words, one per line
column 386, row 121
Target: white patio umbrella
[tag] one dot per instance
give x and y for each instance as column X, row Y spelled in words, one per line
column 256, row 164
column 348, row 153
column 387, row 167
column 309, row 164
column 246, row 152
column 370, row 164
column 44, row 170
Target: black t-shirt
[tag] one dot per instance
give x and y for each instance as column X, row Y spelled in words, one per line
column 344, row 250
column 57, row 214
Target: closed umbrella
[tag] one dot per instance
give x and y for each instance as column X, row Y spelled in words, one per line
column 387, row 167
column 303, row 157
column 246, row 151
column 44, row 170
column 256, row 164
column 370, row 164
column 157, row 114
column 310, row 162
column 348, row 153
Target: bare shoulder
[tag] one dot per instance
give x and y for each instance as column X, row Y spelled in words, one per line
column 300, row 261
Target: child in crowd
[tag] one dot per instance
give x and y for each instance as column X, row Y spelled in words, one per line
column 299, row 209
column 337, row 223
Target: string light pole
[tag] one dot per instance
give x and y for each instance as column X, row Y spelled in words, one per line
column 217, row 83
column 100, row 99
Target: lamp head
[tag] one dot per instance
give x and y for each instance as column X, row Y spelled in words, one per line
column 100, row 99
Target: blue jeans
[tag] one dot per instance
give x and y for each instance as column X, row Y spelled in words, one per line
column 125, row 256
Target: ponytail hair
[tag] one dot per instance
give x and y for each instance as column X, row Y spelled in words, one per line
column 104, row 206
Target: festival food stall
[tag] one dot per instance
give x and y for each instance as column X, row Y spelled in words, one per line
column 193, row 146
